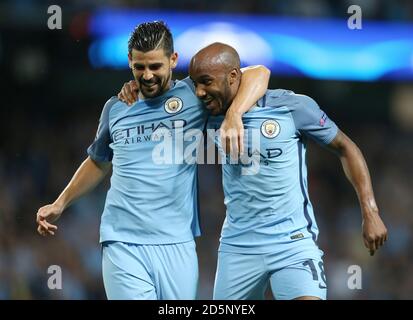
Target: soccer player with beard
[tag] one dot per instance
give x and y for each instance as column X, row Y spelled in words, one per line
column 150, row 216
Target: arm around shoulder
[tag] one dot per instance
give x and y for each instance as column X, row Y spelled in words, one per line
column 254, row 84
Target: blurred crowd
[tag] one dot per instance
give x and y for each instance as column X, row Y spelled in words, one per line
column 51, row 103
column 372, row 9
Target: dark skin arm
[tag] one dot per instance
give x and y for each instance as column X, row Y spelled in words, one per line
column 129, row 92
column 254, row 84
column 356, row 171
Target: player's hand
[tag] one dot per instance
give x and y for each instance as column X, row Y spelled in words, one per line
column 232, row 134
column 129, row 92
column 374, row 232
column 45, row 215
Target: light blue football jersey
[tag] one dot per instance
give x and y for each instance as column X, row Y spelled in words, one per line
column 148, row 202
column 270, row 206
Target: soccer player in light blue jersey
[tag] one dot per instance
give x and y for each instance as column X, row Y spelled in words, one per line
column 270, row 233
column 150, row 216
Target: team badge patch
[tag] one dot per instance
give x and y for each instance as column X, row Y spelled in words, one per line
column 323, row 120
column 173, row 105
column 270, row 129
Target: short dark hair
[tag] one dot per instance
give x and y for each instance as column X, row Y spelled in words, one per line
column 151, row 36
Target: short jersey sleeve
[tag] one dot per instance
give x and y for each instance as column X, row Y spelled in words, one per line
column 99, row 150
column 310, row 120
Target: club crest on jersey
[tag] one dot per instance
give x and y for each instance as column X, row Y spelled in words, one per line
column 270, row 129
column 173, row 105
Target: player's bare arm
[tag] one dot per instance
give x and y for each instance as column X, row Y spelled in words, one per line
column 356, row 170
column 87, row 176
column 254, row 84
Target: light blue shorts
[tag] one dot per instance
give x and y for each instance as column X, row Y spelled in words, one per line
column 246, row 277
column 150, row 272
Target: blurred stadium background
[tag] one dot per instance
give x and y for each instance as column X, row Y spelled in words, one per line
column 55, row 82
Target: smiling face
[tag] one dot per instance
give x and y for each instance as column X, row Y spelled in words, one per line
column 212, row 88
column 152, row 70
column 215, row 84
column 215, row 71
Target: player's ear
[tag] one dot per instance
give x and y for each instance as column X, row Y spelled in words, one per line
column 174, row 60
column 233, row 76
column 130, row 60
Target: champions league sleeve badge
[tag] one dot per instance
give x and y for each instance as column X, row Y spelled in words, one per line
column 173, row 105
column 270, row 129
